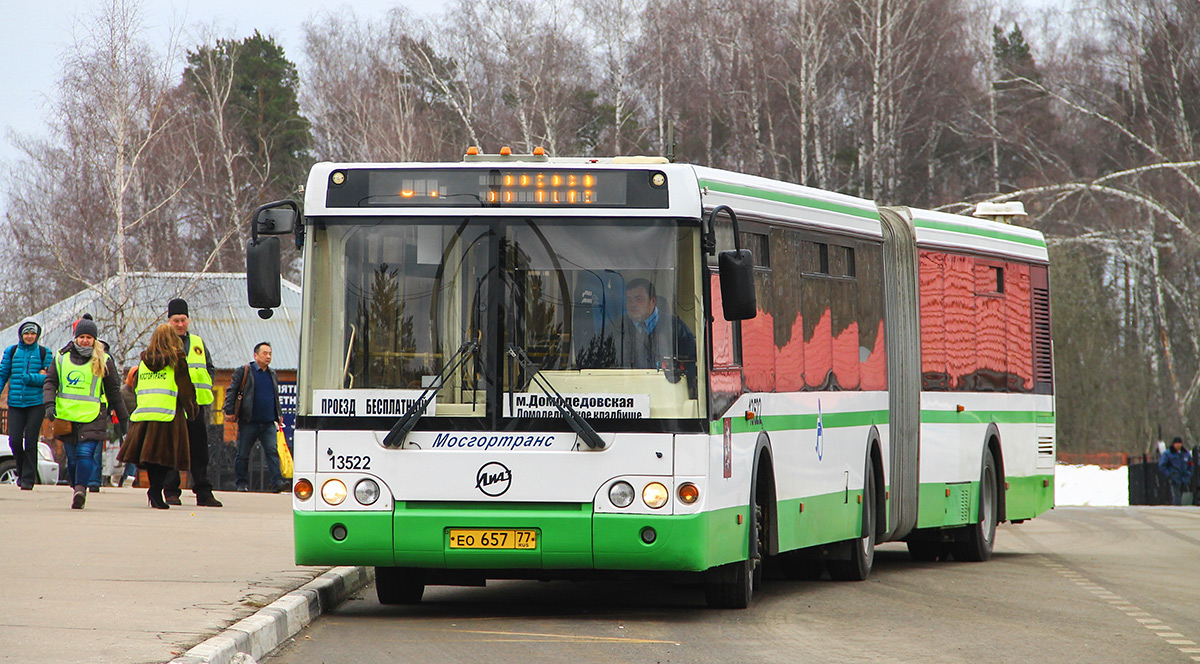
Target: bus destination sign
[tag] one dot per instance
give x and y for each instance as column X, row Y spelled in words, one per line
column 523, row 187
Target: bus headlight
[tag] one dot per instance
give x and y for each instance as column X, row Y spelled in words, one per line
column 621, row 494
column 655, row 495
column 366, row 491
column 303, row 489
column 688, row 493
column 334, row 492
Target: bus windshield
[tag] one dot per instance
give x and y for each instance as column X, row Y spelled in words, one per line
column 608, row 310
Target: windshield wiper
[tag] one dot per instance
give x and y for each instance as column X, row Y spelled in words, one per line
column 400, row 430
column 572, row 416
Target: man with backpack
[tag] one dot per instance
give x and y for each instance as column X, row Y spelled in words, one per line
column 24, row 370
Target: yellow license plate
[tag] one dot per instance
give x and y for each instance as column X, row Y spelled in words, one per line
column 492, row 539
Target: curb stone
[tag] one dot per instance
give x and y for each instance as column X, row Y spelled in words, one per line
column 250, row 638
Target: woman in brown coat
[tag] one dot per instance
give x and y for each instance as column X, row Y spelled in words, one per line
column 165, row 399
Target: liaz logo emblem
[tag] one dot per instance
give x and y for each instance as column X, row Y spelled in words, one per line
column 493, row 479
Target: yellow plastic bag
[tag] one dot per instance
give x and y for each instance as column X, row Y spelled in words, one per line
column 285, row 455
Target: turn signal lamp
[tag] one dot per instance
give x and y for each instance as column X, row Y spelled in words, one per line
column 303, row 489
column 655, row 495
column 334, row 492
column 688, row 493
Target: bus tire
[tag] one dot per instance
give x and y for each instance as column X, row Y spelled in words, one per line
column 398, row 585
column 862, row 550
column 974, row 543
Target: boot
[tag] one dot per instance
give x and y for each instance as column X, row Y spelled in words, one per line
column 207, row 500
column 156, row 499
column 80, row 497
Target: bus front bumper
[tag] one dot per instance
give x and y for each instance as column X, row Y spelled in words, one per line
column 569, row 537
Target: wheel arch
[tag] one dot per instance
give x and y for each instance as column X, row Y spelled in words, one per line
column 762, row 480
column 992, row 446
column 875, row 456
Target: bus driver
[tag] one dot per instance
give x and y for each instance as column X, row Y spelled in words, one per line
column 648, row 342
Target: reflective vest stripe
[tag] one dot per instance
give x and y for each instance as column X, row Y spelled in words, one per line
column 74, row 402
column 157, row 396
column 80, row 397
column 198, row 370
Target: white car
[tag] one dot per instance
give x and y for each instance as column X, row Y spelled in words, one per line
column 47, row 466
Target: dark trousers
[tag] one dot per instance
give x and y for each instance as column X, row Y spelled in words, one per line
column 23, row 427
column 263, row 433
column 198, row 453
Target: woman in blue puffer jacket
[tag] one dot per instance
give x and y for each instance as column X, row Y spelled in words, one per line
column 24, row 371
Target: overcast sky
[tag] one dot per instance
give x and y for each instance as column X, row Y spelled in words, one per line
column 35, row 33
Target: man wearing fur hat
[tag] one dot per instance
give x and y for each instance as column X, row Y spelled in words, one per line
column 200, row 368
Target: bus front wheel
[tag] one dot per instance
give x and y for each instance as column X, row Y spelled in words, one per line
column 399, row 585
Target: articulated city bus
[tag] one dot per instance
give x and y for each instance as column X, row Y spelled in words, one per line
column 523, row 367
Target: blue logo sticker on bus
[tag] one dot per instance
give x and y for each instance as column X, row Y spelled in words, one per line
column 820, row 434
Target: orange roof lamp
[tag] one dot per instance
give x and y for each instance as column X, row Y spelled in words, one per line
column 474, row 153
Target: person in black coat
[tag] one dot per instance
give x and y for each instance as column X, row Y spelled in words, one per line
column 253, row 398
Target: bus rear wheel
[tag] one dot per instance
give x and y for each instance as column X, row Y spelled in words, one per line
column 975, row 542
column 399, row 585
column 862, row 550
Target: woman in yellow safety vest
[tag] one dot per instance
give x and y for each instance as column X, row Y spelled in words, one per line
column 163, row 399
column 76, row 391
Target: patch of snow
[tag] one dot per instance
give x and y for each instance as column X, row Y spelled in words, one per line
column 1091, row 485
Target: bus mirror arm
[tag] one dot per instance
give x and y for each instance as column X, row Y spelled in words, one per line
column 403, row 426
column 736, row 268
column 576, row 421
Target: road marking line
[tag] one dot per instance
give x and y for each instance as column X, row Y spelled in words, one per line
column 576, row 637
column 1116, row 601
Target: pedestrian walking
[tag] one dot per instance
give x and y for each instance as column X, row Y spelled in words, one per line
column 76, row 391
column 253, row 398
column 1176, row 464
column 163, row 399
column 200, row 369
column 24, row 369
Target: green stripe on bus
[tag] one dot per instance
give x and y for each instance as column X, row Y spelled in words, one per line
column 980, row 232
column 790, row 199
column 802, row 422
column 970, row 416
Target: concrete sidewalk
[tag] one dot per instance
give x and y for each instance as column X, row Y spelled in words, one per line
column 120, row 582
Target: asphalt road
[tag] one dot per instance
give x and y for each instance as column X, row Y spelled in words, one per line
column 1075, row 585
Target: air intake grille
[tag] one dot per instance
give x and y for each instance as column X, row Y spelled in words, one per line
column 965, row 505
column 1043, row 360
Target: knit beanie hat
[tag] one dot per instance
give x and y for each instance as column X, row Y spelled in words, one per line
column 177, row 306
column 30, row 326
column 86, row 325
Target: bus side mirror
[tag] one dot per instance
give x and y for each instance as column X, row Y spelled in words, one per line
column 737, row 284
column 264, row 275
column 278, row 218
